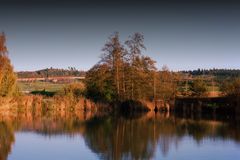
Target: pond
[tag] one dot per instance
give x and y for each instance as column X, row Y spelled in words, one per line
column 74, row 136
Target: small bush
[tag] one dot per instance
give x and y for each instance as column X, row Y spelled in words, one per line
column 198, row 87
column 231, row 87
column 74, row 90
column 43, row 93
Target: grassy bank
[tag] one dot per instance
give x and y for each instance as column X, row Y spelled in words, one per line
column 41, row 104
column 29, row 87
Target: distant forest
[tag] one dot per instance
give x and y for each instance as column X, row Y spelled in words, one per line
column 214, row 72
column 51, row 72
column 71, row 71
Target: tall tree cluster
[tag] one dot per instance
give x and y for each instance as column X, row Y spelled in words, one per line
column 124, row 73
column 7, row 75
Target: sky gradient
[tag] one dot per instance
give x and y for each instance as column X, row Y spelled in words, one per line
column 183, row 34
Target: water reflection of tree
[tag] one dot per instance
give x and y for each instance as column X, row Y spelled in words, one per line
column 121, row 138
column 116, row 137
column 6, row 139
column 54, row 123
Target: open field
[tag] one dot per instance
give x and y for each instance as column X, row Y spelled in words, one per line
column 28, row 87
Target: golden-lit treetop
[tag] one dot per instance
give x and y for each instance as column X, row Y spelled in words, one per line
column 3, row 48
column 7, row 75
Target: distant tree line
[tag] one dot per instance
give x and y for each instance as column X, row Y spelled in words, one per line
column 215, row 72
column 124, row 73
column 51, row 72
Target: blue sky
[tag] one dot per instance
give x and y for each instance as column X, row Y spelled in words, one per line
column 183, row 36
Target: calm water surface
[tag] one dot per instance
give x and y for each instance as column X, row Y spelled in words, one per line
column 67, row 136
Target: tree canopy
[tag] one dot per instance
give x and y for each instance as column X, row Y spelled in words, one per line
column 124, row 73
column 7, row 75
